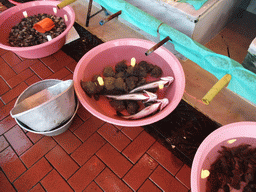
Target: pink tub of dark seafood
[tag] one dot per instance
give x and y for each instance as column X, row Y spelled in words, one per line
column 112, row 52
column 14, row 15
column 233, row 137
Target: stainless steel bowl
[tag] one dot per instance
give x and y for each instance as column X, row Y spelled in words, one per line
column 51, row 113
column 54, row 132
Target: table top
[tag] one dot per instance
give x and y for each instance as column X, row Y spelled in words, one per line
column 187, row 8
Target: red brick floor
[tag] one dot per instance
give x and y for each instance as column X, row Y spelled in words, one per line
column 91, row 156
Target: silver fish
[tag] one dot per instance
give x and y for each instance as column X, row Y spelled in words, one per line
column 146, row 96
column 166, row 81
column 159, row 105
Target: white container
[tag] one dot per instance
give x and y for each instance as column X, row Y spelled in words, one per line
column 54, row 132
column 56, row 108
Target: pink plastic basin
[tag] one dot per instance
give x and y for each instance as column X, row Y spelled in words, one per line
column 13, row 16
column 112, row 52
column 243, row 132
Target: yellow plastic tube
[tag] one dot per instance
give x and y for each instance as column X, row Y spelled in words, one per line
column 216, row 89
column 65, row 3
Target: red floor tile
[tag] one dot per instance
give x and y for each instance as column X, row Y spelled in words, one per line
column 114, row 160
column 71, row 66
column 88, row 128
column 164, row 157
column 93, row 187
column 70, row 76
column 84, row 176
column 68, row 141
column 62, row 60
column 22, row 58
column 60, row 55
column 54, row 182
column 34, row 137
column 149, row 186
column 48, row 60
column 3, row 143
column 6, row 124
column 108, row 181
column 11, row 58
column 33, row 79
column 25, row 65
column 18, row 139
column 88, row 149
column 5, row 70
column 41, row 70
column 77, row 121
column 184, row 175
column 138, row 147
column 32, row 176
column 60, row 74
column 5, row 110
column 114, row 136
column 11, row 164
column 37, row 151
column 17, row 79
column 37, row 188
column 131, row 132
column 1, row 104
column 83, row 113
column 3, row 86
column 14, row 93
column 62, row 162
column 166, row 181
column 59, row 64
column 2, row 51
column 140, row 172
column 5, row 185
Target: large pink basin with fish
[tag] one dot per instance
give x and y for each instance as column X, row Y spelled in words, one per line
column 231, row 135
column 112, row 52
column 13, row 16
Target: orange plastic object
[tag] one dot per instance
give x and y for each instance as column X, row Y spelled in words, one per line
column 44, row 25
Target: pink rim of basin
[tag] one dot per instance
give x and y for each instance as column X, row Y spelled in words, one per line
column 13, row 15
column 14, row 2
column 17, row 3
column 240, row 132
column 112, row 52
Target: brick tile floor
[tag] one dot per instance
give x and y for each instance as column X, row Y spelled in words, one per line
column 91, row 155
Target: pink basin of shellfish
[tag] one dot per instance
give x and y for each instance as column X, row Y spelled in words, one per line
column 231, row 135
column 112, row 52
column 13, row 16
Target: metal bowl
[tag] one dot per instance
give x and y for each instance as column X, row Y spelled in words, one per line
column 57, row 131
column 230, row 135
column 51, row 113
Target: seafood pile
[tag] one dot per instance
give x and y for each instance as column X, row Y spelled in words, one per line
column 127, row 89
column 24, row 35
column 234, row 169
